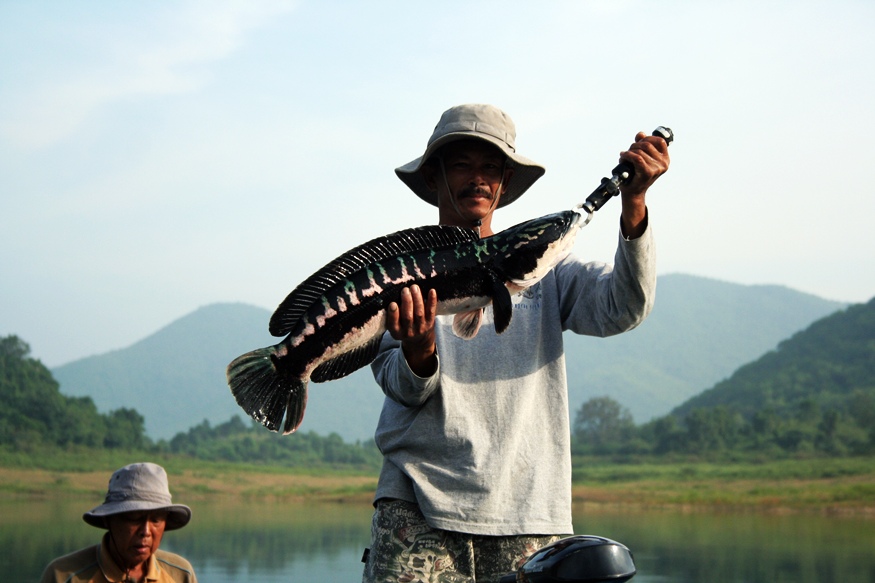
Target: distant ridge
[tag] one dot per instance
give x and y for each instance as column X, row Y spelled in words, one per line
column 700, row 331
column 176, row 376
column 824, row 364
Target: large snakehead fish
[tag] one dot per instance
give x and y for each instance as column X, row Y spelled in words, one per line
column 333, row 322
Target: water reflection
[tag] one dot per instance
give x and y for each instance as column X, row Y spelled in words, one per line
column 276, row 542
column 281, row 542
column 740, row 548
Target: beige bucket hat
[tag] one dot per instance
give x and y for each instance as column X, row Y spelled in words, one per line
column 135, row 488
column 482, row 122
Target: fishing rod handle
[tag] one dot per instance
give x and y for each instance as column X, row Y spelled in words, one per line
column 621, row 174
column 624, row 171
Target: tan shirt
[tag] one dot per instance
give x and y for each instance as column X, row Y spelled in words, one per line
column 95, row 565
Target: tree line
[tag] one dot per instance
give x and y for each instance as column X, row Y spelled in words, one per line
column 832, row 416
column 239, row 441
column 35, row 414
column 815, row 393
column 604, row 427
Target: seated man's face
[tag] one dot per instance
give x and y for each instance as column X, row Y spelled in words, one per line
column 136, row 535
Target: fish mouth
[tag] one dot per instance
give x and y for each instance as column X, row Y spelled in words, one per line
column 567, row 227
column 574, row 223
column 578, row 221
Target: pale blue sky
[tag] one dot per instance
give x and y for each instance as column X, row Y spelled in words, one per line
column 156, row 157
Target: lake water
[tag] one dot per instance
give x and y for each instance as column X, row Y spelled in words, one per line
column 277, row 542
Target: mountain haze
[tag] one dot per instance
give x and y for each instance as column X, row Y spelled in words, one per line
column 700, row 331
column 175, row 377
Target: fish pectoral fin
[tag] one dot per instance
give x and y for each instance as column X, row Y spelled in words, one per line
column 348, row 362
column 467, row 324
column 502, row 306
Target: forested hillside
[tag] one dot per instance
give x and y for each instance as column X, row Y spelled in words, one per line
column 815, row 393
column 700, row 331
column 830, row 364
column 35, row 413
column 36, row 417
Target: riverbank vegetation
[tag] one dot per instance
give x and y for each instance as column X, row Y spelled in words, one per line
column 820, row 485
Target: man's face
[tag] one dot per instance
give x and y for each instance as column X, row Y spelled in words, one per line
column 136, row 535
column 475, row 174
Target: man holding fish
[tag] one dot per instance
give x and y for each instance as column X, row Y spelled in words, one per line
column 475, row 432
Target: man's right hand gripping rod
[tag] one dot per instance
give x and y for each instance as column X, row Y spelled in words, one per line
column 621, row 174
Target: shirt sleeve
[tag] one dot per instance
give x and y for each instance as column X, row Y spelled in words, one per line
column 599, row 299
column 398, row 382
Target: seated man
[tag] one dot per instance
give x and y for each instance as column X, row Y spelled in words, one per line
column 136, row 512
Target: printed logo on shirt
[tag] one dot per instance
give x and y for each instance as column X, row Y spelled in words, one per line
column 529, row 298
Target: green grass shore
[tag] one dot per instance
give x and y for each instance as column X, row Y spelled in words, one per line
column 822, row 485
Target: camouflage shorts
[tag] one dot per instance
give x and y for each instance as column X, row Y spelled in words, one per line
column 404, row 549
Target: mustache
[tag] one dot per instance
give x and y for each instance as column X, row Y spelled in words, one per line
column 470, row 191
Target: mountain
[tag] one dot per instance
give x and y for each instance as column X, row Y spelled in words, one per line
column 176, row 377
column 700, row 331
column 827, row 364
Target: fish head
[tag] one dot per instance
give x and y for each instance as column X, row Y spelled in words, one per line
column 525, row 253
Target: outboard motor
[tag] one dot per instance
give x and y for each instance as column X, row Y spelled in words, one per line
column 581, row 558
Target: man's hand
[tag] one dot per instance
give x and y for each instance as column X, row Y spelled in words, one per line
column 648, row 155
column 413, row 324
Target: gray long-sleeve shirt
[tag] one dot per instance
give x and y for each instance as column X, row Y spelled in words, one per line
column 483, row 445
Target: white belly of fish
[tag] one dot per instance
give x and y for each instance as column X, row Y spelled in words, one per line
column 461, row 305
column 354, row 338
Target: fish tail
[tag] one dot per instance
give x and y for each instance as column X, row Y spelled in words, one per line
column 264, row 392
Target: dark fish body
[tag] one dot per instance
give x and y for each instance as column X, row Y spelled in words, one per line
column 333, row 322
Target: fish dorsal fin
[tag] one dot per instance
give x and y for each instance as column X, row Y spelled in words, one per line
column 407, row 241
column 347, row 363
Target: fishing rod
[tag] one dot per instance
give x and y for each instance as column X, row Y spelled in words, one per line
column 621, row 174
